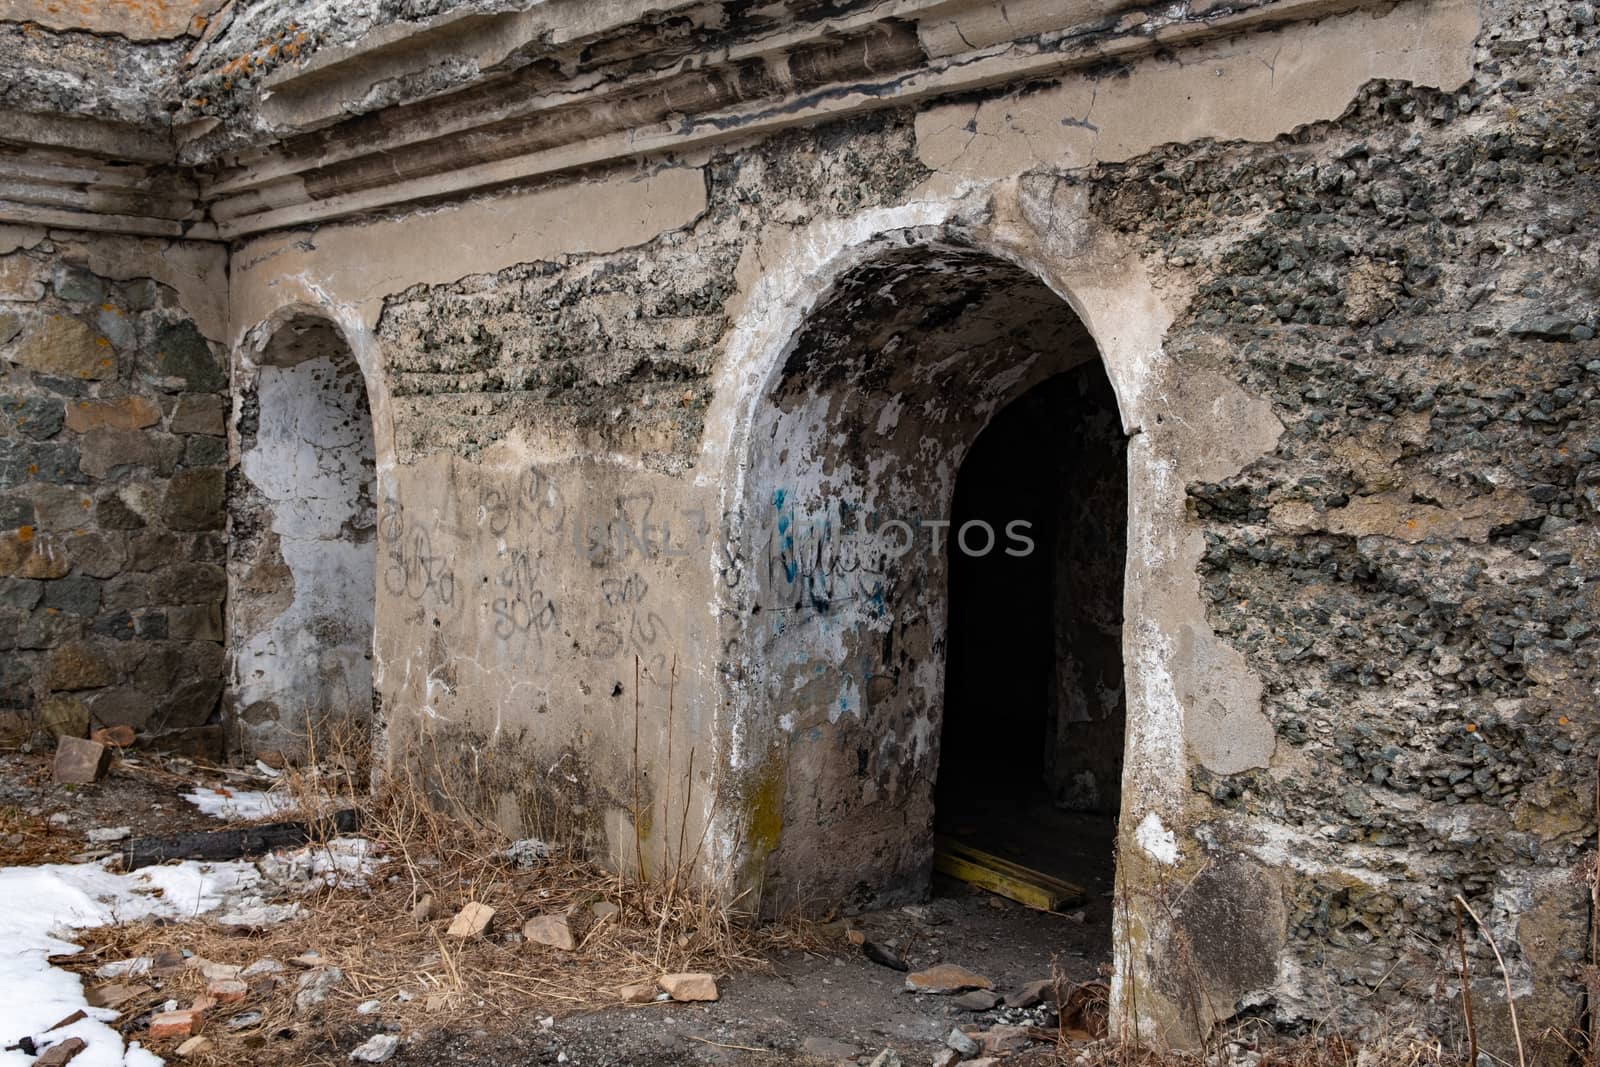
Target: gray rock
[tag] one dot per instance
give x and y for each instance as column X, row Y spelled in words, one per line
column 16, row 511
column 38, row 461
column 977, row 1000
column 112, row 452
column 72, row 282
column 375, row 1049
column 194, row 501
column 205, row 451
column 75, row 595
column 23, row 593
column 961, row 1043
column 181, row 360
column 314, row 987
column 37, row 416
column 199, row 413
column 1546, row 327
column 264, row 966
column 117, row 327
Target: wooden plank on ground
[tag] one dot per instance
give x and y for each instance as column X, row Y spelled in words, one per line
column 957, row 847
column 1035, row 896
column 997, row 875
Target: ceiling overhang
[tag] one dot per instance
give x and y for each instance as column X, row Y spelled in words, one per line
column 391, row 120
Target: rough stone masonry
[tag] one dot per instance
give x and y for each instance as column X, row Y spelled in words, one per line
column 518, row 379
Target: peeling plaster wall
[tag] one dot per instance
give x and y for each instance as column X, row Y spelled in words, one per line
column 302, row 543
column 1397, row 283
column 1407, row 570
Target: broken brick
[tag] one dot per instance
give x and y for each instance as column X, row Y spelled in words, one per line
column 81, row 762
column 179, row 1023
column 689, row 987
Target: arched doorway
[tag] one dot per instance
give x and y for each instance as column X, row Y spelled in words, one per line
column 855, row 447
column 303, row 549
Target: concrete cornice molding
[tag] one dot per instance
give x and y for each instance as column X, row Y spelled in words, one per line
column 565, row 86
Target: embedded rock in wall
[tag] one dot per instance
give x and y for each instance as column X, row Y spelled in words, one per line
column 111, row 518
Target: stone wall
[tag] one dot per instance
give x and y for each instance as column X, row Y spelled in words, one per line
column 112, row 453
column 1413, row 570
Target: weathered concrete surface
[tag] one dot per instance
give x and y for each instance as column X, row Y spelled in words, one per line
column 358, row 266
column 564, row 575
column 1335, row 272
column 1254, row 88
column 137, row 20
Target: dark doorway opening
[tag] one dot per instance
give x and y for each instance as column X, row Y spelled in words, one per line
column 1030, row 764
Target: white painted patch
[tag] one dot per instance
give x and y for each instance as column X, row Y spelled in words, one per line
column 312, row 461
column 920, row 739
column 1159, row 842
column 889, row 417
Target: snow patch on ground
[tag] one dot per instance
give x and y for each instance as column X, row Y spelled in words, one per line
column 240, row 804
column 39, row 906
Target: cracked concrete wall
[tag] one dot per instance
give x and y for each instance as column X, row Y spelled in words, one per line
column 302, row 543
column 584, row 406
column 112, row 452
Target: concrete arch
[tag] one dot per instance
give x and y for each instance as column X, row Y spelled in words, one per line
column 1173, row 662
column 362, row 342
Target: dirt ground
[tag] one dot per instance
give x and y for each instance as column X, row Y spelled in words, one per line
column 844, row 999
column 43, row 822
column 821, row 1000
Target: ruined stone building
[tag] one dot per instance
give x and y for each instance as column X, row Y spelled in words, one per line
column 600, row 397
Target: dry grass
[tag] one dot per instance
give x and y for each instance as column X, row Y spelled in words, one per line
column 28, row 840
column 425, row 979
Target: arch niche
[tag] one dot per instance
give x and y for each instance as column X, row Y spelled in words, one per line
column 303, row 545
